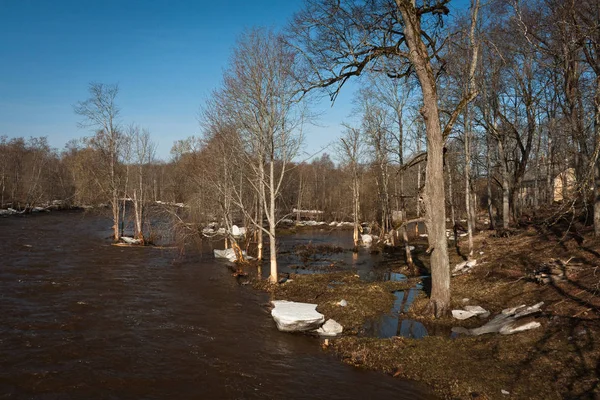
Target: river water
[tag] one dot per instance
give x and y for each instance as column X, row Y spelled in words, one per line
column 83, row 319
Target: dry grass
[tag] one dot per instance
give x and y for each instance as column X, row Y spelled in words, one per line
column 366, row 300
column 559, row 360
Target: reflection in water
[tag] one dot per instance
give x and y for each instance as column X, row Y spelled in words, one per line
column 390, row 325
column 85, row 320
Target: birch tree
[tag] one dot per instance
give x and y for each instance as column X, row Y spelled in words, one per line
column 260, row 98
column 351, row 149
column 101, row 113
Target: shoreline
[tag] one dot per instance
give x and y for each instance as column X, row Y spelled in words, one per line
column 554, row 361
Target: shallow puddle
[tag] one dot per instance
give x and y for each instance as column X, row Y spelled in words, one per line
column 392, row 324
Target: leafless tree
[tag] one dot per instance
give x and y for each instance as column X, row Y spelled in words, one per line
column 260, row 98
column 340, row 39
column 351, row 150
column 101, row 113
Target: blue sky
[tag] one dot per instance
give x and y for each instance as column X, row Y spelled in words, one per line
column 166, row 56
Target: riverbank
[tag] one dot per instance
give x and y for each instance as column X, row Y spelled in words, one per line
column 555, row 264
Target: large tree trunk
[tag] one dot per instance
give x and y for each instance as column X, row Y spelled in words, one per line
column 434, row 196
column 597, row 163
column 356, row 206
column 259, row 219
column 505, row 187
column 489, row 185
column 468, row 199
column 272, row 223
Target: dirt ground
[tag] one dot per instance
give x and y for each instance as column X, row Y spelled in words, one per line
column 561, row 359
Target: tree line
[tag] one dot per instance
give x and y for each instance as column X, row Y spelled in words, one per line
column 486, row 112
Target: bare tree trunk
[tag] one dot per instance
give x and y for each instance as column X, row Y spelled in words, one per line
column 433, row 196
column 259, row 219
column 470, row 89
column 419, row 180
column 505, row 187
column 299, row 202
column 272, row 223
column 115, row 196
column 451, row 197
column 597, row 163
column 468, row 207
column 550, row 167
column 489, row 185
column 356, row 206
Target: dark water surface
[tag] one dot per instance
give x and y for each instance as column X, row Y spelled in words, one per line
column 82, row 319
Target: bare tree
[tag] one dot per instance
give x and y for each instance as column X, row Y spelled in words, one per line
column 142, row 155
column 260, row 98
column 101, row 113
column 351, row 149
column 342, row 38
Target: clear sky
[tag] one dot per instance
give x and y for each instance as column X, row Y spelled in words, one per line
column 166, row 56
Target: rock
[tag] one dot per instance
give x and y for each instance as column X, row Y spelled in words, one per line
column 505, row 392
column 330, row 328
column 291, row 316
column 342, row 303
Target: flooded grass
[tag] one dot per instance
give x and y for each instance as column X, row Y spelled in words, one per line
column 389, row 331
column 366, row 300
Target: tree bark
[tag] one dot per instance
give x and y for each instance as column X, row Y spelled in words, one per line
column 272, row 223
column 489, row 185
column 433, row 196
column 597, row 163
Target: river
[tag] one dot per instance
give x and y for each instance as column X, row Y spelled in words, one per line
column 83, row 319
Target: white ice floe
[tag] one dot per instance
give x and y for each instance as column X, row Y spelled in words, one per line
column 507, row 322
column 366, row 239
column 470, row 311
column 237, row 231
column 8, row 211
column 229, row 254
column 330, row 328
column 464, row 267
column 291, row 316
column 130, row 240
